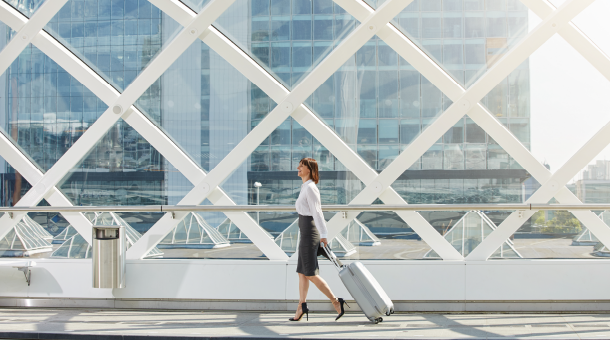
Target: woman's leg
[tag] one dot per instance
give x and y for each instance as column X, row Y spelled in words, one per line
column 303, row 288
column 325, row 289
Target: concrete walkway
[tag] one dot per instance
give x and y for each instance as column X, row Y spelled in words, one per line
column 146, row 324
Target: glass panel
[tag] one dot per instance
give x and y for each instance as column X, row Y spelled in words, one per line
column 555, row 235
column 464, row 173
column 45, row 110
column 6, row 34
column 470, row 229
column 379, row 236
column 205, row 105
column 465, row 39
column 27, row 7
column 287, row 38
column 116, row 38
column 375, row 103
column 124, row 169
column 526, row 103
column 194, row 237
column 26, row 239
column 14, row 185
column 269, row 176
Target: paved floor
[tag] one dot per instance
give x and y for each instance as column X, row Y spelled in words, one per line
column 126, row 324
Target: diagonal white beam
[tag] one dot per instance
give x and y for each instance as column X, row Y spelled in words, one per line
column 558, row 180
column 462, row 104
column 574, row 36
column 149, row 131
column 294, row 99
column 522, row 155
column 121, row 105
column 27, row 32
column 407, row 50
column 327, row 137
column 194, row 174
column 16, row 158
column 323, row 71
column 276, row 91
column 412, row 54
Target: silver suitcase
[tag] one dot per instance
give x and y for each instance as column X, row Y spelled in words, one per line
column 363, row 287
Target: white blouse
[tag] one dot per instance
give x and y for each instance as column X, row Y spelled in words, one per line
column 309, row 204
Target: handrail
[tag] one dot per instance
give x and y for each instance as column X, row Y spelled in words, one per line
column 291, row 208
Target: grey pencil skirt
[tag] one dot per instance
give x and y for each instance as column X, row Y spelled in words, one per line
column 309, row 247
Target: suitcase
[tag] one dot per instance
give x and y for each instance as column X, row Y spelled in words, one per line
column 363, row 287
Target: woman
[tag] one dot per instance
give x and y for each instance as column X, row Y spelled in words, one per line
column 312, row 228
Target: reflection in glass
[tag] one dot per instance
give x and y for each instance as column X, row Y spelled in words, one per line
column 194, row 237
column 556, row 235
column 46, row 110
column 381, row 236
column 27, row 7
column 26, row 239
column 464, row 37
column 117, row 39
column 287, row 38
column 123, row 169
column 467, row 233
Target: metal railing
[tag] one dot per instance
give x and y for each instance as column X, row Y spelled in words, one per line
column 291, row 208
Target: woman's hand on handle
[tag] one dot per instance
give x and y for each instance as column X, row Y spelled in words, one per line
column 324, row 241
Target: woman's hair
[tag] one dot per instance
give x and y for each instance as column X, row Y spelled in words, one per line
column 312, row 165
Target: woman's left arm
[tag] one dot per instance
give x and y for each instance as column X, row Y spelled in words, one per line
column 315, row 207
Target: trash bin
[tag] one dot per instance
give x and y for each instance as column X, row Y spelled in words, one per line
column 108, row 255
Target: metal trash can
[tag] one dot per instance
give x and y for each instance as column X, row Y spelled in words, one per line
column 108, row 254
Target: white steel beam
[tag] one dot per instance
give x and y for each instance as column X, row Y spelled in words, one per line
column 462, row 104
column 327, row 137
column 558, row 180
column 429, row 69
column 194, row 174
column 27, row 32
column 323, row 71
column 293, row 100
column 16, row 158
column 514, row 147
column 12, row 17
column 149, row 131
column 407, row 50
column 121, row 105
column 574, row 36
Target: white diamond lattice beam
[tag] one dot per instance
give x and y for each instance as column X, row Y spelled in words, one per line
column 32, row 174
column 414, row 56
column 462, row 104
column 393, row 36
column 27, row 32
column 325, row 135
column 43, row 187
column 554, row 183
column 290, row 102
column 149, row 131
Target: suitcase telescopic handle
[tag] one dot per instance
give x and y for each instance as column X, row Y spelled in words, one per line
column 332, row 257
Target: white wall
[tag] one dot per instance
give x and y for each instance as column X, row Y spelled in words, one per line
column 180, row 282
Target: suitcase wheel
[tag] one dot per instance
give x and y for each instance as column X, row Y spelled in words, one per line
column 388, row 313
column 392, row 311
column 378, row 320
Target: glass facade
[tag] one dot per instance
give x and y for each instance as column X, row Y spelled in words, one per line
column 376, row 103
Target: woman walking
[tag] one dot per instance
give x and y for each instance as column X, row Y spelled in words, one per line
column 312, row 228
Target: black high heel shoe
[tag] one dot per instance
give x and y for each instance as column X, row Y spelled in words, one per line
column 341, row 302
column 304, row 310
